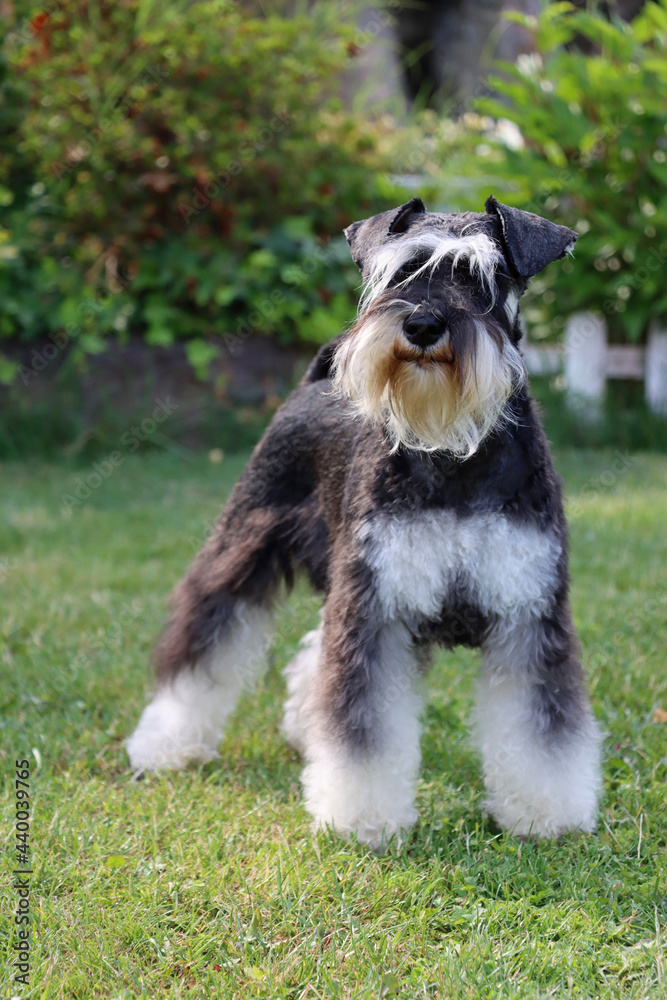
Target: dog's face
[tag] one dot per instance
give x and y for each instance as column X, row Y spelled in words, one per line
column 434, row 353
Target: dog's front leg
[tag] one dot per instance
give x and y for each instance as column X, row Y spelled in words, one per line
column 362, row 732
column 540, row 744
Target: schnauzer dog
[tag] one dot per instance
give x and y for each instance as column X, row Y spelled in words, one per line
column 409, row 477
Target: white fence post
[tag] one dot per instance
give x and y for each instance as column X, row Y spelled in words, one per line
column 585, row 355
column 655, row 377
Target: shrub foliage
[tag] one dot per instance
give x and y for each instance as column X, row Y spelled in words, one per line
column 592, row 154
column 178, row 171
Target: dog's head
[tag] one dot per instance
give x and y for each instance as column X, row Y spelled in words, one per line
column 433, row 354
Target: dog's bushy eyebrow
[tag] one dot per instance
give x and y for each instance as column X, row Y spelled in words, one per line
column 478, row 249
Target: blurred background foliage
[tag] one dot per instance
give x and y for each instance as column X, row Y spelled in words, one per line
column 588, row 148
column 166, row 169
column 180, row 174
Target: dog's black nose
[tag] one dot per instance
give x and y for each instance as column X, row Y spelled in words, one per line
column 423, row 329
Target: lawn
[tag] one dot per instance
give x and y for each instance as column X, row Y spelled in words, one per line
column 209, row 883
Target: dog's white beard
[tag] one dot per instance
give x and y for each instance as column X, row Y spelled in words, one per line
column 432, row 405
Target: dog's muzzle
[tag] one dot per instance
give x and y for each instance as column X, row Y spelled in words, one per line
column 423, row 329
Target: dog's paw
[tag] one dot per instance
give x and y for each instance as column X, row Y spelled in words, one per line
column 169, row 735
column 542, row 819
column 376, row 835
column 365, row 801
column 547, row 798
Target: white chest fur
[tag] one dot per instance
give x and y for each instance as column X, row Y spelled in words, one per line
column 419, row 559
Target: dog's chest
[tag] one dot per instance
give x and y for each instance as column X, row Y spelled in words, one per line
column 427, row 563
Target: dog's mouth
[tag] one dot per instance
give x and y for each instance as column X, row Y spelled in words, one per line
column 425, row 357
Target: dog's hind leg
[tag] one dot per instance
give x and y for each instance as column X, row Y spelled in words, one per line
column 300, row 674
column 215, row 643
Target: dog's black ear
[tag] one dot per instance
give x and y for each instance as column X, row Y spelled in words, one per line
column 364, row 237
column 531, row 242
column 401, row 220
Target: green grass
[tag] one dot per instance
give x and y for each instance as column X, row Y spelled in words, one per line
column 208, row 883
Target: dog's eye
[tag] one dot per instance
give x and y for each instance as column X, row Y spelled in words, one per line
column 461, row 273
column 409, row 269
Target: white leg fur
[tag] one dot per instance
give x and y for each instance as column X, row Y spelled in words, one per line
column 537, row 784
column 371, row 795
column 186, row 718
column 298, row 673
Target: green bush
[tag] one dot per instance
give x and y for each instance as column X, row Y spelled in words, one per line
column 179, row 172
column 592, row 154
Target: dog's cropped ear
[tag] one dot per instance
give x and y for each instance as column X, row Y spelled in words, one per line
column 365, row 236
column 353, row 234
column 530, row 242
column 404, row 214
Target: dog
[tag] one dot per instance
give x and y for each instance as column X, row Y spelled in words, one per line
column 409, row 478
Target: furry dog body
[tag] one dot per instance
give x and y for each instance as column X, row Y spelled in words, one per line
column 409, row 478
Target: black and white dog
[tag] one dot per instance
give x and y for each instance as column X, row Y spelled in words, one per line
column 409, row 477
